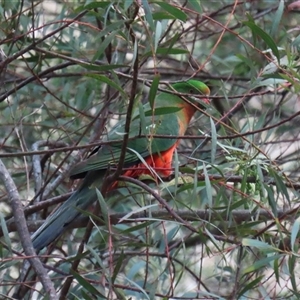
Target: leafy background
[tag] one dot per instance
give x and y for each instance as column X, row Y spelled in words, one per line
column 67, row 71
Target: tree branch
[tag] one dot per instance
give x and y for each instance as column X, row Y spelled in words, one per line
column 23, row 232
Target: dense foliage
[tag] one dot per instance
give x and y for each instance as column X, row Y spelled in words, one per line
column 68, row 73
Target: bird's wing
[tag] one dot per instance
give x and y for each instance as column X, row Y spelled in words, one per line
column 109, row 153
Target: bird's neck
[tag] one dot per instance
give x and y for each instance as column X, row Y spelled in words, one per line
column 184, row 117
column 188, row 111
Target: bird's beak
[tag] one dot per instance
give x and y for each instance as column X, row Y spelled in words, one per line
column 205, row 100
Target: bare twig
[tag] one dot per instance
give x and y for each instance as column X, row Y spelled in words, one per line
column 36, row 162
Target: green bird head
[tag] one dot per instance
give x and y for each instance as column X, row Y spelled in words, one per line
column 197, row 91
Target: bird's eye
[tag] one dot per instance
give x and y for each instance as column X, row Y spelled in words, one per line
column 191, row 91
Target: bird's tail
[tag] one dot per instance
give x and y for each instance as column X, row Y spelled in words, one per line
column 57, row 222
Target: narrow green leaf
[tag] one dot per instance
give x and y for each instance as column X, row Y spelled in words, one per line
column 85, row 284
column 167, row 51
column 212, row 239
column 294, row 233
column 261, row 181
column 5, row 232
column 250, row 286
column 213, row 141
column 113, row 27
column 177, row 13
column 277, row 18
column 97, row 4
column 84, row 296
column 296, row 41
column 188, row 186
column 153, row 290
column 257, row 31
column 96, row 256
column 226, row 148
column 244, row 183
column 142, row 118
column 270, row 70
column 106, row 80
column 127, row 4
column 140, row 209
column 118, row 266
column 276, row 269
column 162, row 15
column 135, row 269
column 148, row 14
column 157, row 36
column 135, row 52
column 237, row 204
column 271, row 199
column 292, row 263
column 267, row 82
column 280, row 185
column 261, row 263
column 195, row 190
column 153, row 90
column 142, row 159
column 246, row 60
column 170, row 43
column 135, row 284
column 136, row 229
column 208, row 187
column 103, row 206
column 257, row 244
column 104, row 44
column 195, row 4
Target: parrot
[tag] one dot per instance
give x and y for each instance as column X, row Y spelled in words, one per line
column 145, row 153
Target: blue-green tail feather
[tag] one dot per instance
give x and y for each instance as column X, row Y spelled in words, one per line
column 56, row 223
